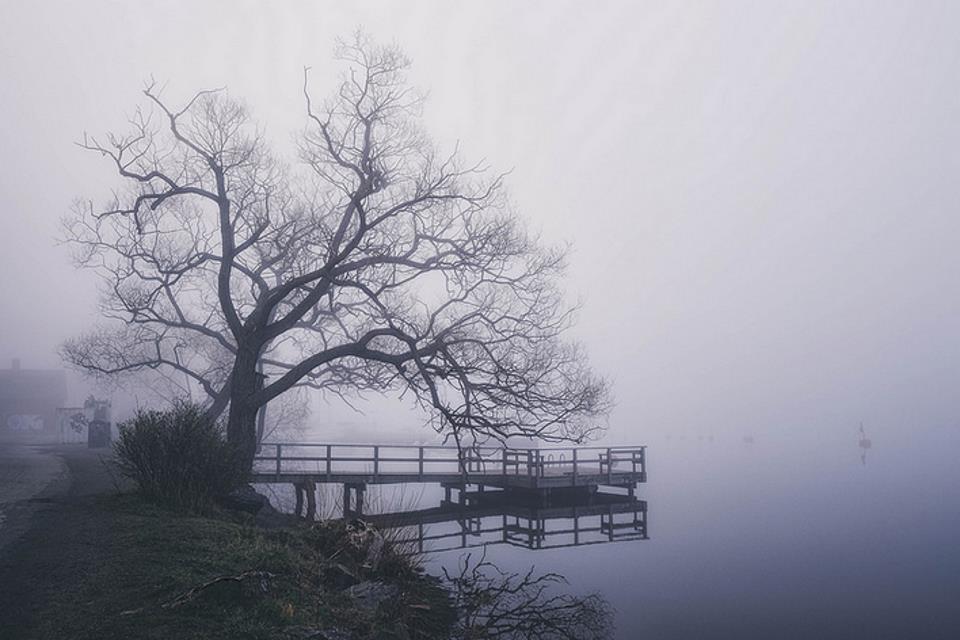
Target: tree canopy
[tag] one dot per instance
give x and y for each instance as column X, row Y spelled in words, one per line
column 370, row 262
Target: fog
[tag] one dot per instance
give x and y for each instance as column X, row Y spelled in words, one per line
column 760, row 199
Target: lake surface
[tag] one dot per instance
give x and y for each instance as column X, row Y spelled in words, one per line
column 788, row 537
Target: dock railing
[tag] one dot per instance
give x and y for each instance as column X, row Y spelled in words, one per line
column 326, row 461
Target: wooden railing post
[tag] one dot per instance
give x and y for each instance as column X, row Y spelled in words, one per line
column 420, row 459
column 529, row 462
column 328, row 462
column 609, row 467
column 278, row 461
column 376, row 461
column 504, row 461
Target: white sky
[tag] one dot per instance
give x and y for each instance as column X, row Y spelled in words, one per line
column 762, row 196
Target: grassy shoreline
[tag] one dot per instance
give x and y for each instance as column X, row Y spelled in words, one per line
column 160, row 574
column 107, row 566
column 155, row 557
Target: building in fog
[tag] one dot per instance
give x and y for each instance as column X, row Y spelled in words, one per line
column 29, row 399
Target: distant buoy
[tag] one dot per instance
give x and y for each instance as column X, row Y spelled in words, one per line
column 864, row 444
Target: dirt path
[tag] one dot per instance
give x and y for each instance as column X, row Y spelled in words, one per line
column 26, row 473
column 47, row 534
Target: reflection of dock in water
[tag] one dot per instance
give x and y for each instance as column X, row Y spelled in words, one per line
column 565, row 519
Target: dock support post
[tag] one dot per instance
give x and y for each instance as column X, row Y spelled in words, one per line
column 353, row 507
column 306, row 489
column 310, row 488
column 360, row 489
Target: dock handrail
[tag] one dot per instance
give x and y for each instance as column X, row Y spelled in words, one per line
column 383, row 459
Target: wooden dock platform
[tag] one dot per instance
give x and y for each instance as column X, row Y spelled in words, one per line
column 355, row 466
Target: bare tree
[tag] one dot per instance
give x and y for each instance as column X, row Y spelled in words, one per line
column 372, row 264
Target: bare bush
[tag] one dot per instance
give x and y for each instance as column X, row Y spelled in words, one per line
column 179, row 458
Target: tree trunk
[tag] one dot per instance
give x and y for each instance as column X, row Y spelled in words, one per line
column 262, row 411
column 242, row 433
column 242, row 420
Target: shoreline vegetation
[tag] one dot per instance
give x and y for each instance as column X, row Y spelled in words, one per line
column 157, row 540
column 113, row 566
column 146, row 544
column 221, row 575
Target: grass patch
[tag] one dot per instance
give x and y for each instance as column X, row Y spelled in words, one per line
column 142, row 557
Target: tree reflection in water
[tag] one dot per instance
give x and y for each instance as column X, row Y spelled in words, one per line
column 523, row 606
column 491, row 603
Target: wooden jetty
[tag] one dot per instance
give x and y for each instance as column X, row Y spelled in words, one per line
column 538, row 471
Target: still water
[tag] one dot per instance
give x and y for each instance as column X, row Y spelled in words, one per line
column 786, row 537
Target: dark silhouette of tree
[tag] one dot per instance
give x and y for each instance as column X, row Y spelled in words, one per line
column 374, row 263
column 493, row 604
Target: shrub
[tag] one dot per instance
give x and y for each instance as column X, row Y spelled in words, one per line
column 178, row 458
